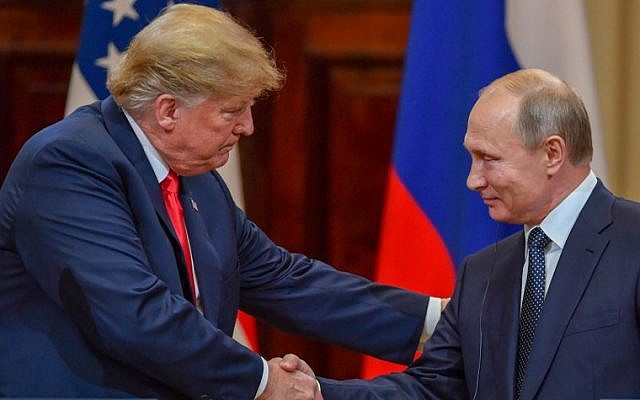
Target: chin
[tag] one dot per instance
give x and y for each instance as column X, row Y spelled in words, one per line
column 220, row 161
column 498, row 216
column 193, row 170
column 202, row 166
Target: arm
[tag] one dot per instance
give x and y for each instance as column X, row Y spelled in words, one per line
column 437, row 374
column 311, row 298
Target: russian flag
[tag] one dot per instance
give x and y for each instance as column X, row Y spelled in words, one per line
column 107, row 28
column 431, row 221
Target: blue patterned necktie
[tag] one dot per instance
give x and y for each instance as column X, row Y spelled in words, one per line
column 531, row 302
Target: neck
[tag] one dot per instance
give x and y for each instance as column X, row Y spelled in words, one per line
column 561, row 185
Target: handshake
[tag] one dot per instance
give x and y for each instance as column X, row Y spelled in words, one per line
column 291, row 378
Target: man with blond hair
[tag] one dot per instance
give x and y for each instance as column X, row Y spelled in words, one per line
column 551, row 312
column 124, row 261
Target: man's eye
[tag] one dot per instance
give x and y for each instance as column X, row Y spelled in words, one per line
column 231, row 114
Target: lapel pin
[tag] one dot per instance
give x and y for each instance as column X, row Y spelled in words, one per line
column 194, row 205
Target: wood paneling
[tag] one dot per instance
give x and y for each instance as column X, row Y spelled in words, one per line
column 324, row 142
column 37, row 47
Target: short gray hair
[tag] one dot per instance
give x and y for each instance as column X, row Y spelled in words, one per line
column 548, row 106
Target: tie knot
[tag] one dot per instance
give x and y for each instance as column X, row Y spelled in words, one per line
column 170, row 183
column 538, row 239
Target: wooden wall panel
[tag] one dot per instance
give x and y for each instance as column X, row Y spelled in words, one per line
column 37, row 97
column 362, row 117
column 37, row 46
column 325, row 139
column 362, row 108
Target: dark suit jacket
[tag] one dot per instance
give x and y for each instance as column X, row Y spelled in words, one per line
column 587, row 344
column 91, row 297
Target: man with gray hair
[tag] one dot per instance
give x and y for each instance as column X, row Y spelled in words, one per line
column 124, row 261
column 551, row 312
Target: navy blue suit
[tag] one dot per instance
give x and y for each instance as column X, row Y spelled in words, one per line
column 91, row 293
column 587, row 344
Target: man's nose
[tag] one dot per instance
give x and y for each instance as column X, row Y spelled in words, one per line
column 244, row 126
column 475, row 179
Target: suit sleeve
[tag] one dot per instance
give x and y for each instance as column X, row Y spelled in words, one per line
column 311, row 298
column 77, row 236
column 437, row 374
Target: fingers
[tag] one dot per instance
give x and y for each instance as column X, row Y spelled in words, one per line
column 285, row 385
column 291, row 363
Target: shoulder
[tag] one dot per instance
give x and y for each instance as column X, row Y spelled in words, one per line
column 626, row 208
column 622, row 212
column 76, row 146
column 84, row 129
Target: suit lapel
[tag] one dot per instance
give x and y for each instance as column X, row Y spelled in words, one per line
column 579, row 258
column 503, row 310
column 205, row 256
column 122, row 133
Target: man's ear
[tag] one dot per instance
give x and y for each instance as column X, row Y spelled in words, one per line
column 166, row 111
column 555, row 150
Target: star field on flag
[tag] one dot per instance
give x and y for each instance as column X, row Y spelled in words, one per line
column 107, row 29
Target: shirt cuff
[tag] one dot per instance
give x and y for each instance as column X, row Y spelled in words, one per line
column 264, row 380
column 431, row 320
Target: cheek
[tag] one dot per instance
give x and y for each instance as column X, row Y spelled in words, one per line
column 505, row 186
column 220, row 134
column 525, row 196
column 497, row 178
column 206, row 139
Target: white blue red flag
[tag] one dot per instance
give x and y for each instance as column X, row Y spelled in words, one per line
column 431, row 221
column 107, row 28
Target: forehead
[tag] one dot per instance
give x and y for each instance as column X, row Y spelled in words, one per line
column 491, row 120
column 228, row 101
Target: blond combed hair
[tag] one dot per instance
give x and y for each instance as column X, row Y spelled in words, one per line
column 193, row 53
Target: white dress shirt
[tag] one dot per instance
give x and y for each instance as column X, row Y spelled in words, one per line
column 557, row 226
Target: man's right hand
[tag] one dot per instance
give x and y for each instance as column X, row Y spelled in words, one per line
column 296, row 382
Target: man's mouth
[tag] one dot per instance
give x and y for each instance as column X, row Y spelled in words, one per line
column 489, row 200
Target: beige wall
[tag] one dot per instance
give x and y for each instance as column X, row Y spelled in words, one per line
column 615, row 34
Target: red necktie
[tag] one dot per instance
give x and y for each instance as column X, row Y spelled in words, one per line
column 170, row 186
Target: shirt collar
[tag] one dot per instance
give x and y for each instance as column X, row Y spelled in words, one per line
column 159, row 166
column 558, row 224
